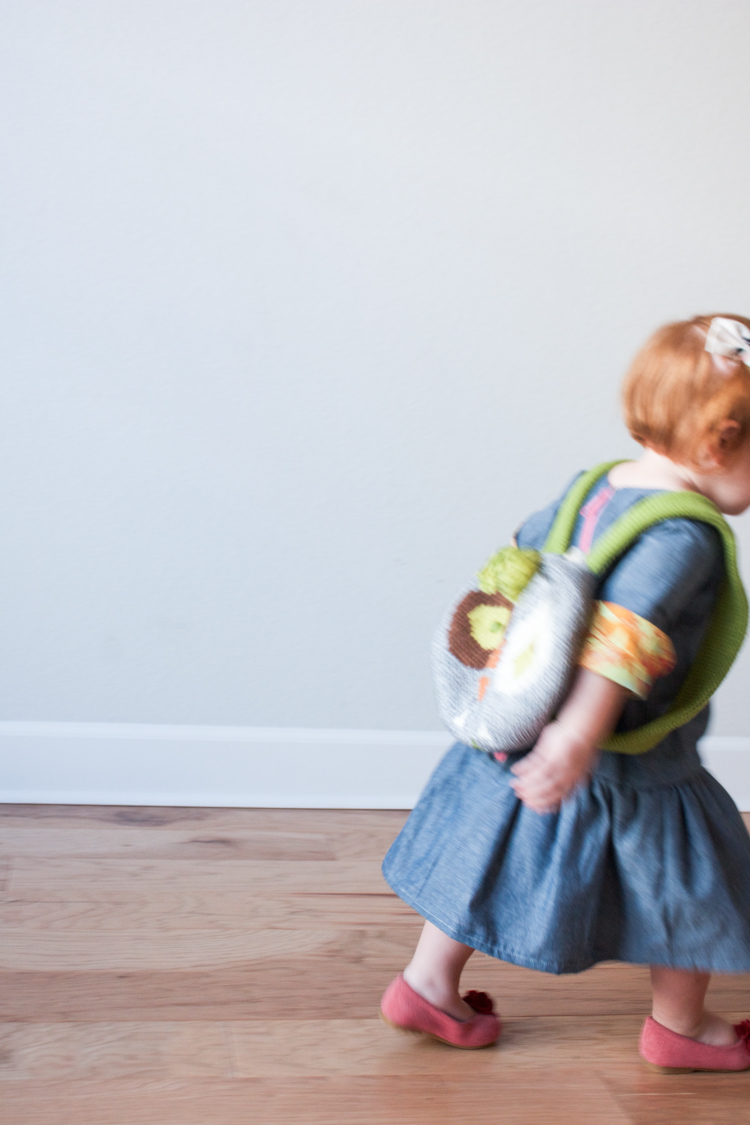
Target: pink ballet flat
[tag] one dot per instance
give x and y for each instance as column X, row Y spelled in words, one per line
column 670, row 1053
column 404, row 1009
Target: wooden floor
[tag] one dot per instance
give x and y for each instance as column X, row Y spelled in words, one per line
column 223, row 967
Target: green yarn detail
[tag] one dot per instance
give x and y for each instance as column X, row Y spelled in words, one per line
column 509, row 571
column 726, row 630
column 487, row 625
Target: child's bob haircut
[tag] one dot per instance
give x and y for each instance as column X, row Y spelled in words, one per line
column 676, row 395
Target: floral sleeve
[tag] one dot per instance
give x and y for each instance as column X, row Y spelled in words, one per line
column 626, row 648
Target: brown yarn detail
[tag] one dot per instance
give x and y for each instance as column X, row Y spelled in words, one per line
column 460, row 641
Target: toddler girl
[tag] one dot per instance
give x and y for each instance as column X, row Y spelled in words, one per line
column 561, row 856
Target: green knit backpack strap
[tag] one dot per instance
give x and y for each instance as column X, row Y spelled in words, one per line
column 564, row 524
column 726, row 629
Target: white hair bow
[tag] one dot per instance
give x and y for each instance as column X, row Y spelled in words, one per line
column 729, row 337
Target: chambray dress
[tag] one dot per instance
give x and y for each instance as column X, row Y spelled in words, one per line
column 649, row 862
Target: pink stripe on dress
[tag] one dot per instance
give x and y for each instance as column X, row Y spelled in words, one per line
column 591, row 513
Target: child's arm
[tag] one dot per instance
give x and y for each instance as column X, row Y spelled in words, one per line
column 567, row 749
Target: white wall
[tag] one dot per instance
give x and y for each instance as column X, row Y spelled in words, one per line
column 306, row 304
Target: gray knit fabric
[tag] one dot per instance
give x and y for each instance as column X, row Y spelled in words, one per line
column 505, row 707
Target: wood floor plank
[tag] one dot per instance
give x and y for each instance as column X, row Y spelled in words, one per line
column 304, row 987
column 138, row 843
column 413, row 1100
column 135, row 949
column 204, row 842
column 122, row 880
column 311, row 1048
column 353, row 822
column 210, row 911
column 715, row 1104
column 325, row 1047
column 99, row 1050
column 334, row 987
column 606, row 1046
column 128, row 950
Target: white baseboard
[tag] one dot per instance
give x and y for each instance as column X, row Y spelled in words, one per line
column 248, row 767
column 240, row 767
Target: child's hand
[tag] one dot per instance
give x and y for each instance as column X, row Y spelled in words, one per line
column 559, row 762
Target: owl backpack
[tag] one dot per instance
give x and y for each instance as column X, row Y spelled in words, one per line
column 506, row 651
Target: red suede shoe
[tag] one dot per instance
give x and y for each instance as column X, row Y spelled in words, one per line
column 403, row 1008
column 670, row 1053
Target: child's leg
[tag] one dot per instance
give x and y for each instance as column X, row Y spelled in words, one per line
column 435, row 971
column 678, row 1004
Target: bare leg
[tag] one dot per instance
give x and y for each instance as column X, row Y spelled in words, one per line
column 678, row 1004
column 435, row 971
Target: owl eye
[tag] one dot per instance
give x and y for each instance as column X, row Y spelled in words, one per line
column 487, row 624
column 473, row 636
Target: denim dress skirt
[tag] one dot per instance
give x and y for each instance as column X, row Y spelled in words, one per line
column 648, row 862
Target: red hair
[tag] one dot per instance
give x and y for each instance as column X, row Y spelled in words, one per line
column 676, row 394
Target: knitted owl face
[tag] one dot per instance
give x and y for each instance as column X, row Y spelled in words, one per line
column 505, row 652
